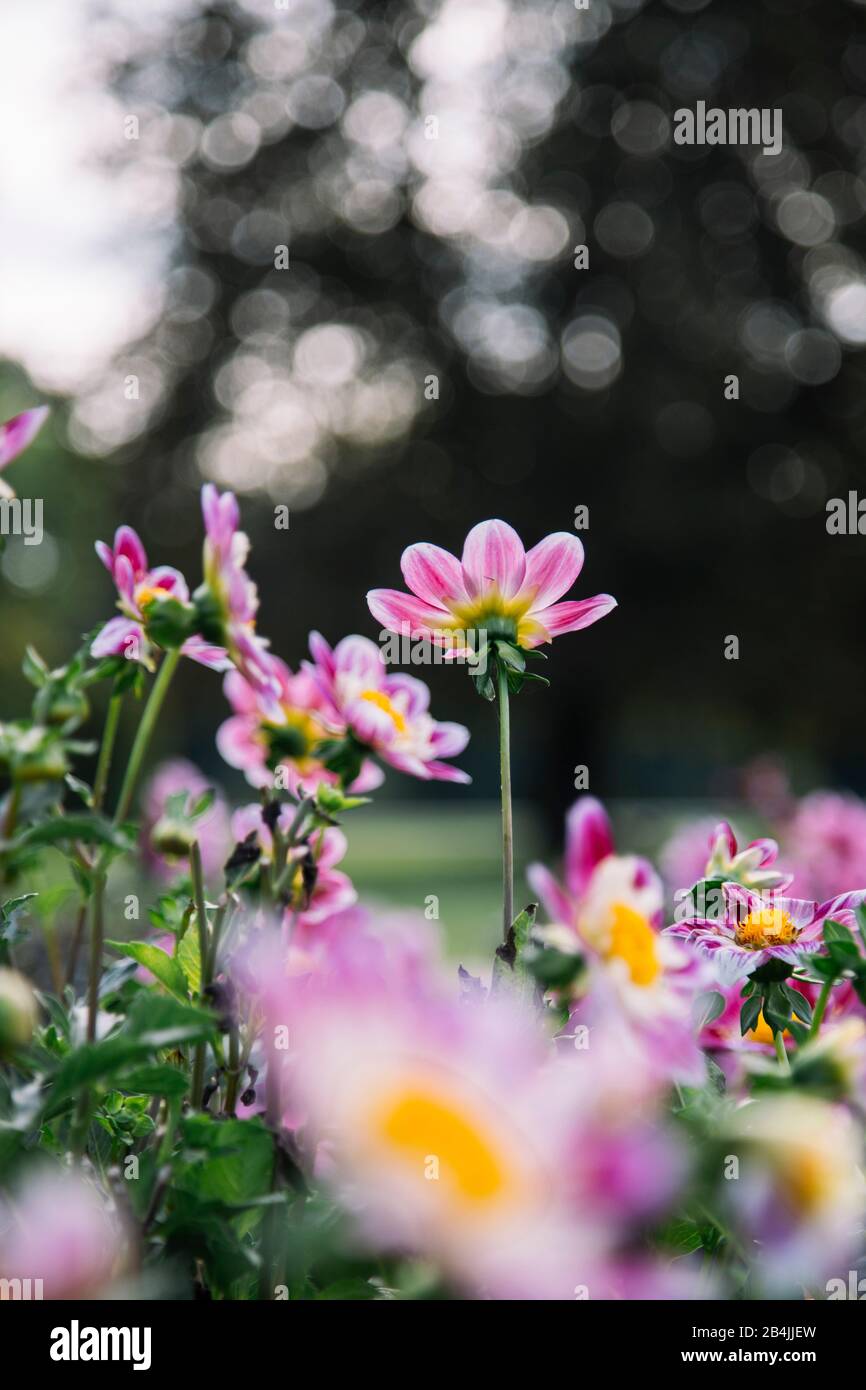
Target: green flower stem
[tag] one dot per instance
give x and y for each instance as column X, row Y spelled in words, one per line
column 96, row 939
column 820, row 1007
column 12, row 807
column 158, row 692
column 779, row 1044
column 204, row 957
column 133, row 768
column 233, row 1070
column 505, row 782
column 106, row 749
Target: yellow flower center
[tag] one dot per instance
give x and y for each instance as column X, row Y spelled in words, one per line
column 809, row 1177
column 633, row 940
column 767, row 926
column 381, row 700
column 145, row 595
column 425, row 1129
column 762, row 1032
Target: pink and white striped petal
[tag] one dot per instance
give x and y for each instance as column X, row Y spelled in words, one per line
column 552, row 566
column 493, row 560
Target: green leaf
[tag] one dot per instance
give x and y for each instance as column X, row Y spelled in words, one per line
column 188, row 957
column 707, row 1008
column 750, row 1013
column 162, row 966
column 34, row 668
column 157, row 1080
column 90, row 830
column 204, row 803
column 161, row 1021
column 836, row 931
column 80, row 788
column 237, row 1163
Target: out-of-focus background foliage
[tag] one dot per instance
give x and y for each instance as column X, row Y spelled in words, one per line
column 430, row 167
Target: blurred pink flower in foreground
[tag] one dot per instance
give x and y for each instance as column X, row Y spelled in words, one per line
column 497, row 587
column 799, row 1201
column 57, row 1228
column 609, row 909
column 138, row 587
column 452, row 1130
column 385, row 713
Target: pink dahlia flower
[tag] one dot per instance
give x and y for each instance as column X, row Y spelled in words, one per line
column 752, row 931
column 609, row 909
column 497, row 587
column 750, row 866
column 384, row 712
column 234, row 594
column 708, row 849
column 256, row 743
column 138, row 586
column 331, row 891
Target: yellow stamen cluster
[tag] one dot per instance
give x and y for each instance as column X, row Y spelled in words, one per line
column 766, row 926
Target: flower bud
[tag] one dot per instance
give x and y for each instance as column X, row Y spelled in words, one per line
column 18, row 1011
column 173, row 837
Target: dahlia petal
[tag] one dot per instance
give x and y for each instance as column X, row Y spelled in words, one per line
column 322, row 653
column 359, row 657
column 169, row 580
column 117, row 638
column 843, row 902
column 588, row 840
column 369, row 723
column 124, row 578
column 446, row 772
column 240, row 693
column 369, row 778
column 238, row 744
column 740, row 902
column 128, row 542
column 731, row 965
column 206, row 653
column 106, row 555
column 769, row 851
column 333, row 847
column 21, row 430
column 408, row 615
column 493, row 558
column 723, row 841
column 334, row 895
column 411, row 694
column 434, row 575
column 572, row 617
column 407, row 762
column 552, row 566
column 550, row 894
column 448, row 739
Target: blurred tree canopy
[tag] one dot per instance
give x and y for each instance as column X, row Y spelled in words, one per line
column 372, row 314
